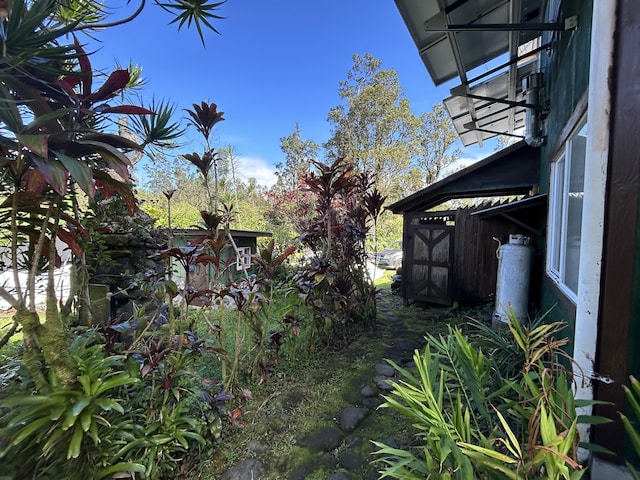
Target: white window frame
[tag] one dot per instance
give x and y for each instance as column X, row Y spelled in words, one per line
column 243, row 260
column 557, row 229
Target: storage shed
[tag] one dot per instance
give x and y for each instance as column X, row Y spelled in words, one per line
column 450, row 255
column 234, row 266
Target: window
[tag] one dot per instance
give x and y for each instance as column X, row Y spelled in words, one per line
column 566, row 192
column 243, row 261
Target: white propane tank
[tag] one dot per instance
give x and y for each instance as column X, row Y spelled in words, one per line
column 514, row 272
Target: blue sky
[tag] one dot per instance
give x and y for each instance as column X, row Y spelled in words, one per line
column 275, row 63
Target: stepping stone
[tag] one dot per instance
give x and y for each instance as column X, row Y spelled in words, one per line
column 350, row 460
column 323, row 440
column 371, row 403
column 384, row 369
column 340, row 476
column 368, row 392
column 383, row 382
column 257, row 447
column 352, row 417
column 248, row 468
column 406, row 345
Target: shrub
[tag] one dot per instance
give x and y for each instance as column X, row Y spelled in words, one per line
column 473, row 422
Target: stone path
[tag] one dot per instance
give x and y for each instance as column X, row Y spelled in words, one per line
column 341, row 448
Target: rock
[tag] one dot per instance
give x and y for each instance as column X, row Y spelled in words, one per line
column 340, row 476
column 384, row 369
column 351, row 460
column 406, row 345
column 248, row 469
column 368, row 391
column 351, row 417
column 323, row 440
column 393, row 441
column 373, row 475
column 257, row 447
column 383, row 382
column 371, row 403
column 326, row 462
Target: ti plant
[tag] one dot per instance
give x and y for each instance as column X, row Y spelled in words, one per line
column 335, row 283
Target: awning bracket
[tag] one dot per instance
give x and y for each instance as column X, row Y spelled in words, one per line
column 435, row 25
column 472, row 126
column 458, row 92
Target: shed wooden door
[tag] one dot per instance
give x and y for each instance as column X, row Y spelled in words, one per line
column 430, row 252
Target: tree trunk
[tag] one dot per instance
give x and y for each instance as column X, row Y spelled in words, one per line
column 49, row 342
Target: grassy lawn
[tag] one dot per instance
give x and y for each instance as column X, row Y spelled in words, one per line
column 385, row 280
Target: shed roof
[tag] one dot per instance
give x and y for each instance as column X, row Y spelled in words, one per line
column 236, row 233
column 511, row 171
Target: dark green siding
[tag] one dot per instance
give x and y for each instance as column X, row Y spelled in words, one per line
column 566, row 79
column 566, row 71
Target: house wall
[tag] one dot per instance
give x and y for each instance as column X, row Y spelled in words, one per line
column 566, row 80
column 619, row 310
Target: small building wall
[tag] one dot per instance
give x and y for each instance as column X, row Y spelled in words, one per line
column 230, row 273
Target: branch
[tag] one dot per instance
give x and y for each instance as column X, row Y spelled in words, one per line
column 115, row 23
column 14, row 247
column 9, row 334
column 7, row 297
column 37, row 253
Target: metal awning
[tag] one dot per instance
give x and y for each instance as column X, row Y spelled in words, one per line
column 495, row 112
column 454, row 37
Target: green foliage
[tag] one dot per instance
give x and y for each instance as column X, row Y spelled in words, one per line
column 142, row 412
column 630, row 426
column 334, row 283
column 375, row 130
column 298, row 156
column 57, row 435
column 474, row 421
column 198, row 12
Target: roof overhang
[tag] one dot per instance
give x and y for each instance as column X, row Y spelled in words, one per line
column 511, row 171
column 455, row 37
column 524, row 212
column 196, row 232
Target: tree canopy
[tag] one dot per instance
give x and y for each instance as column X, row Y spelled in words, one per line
column 375, row 129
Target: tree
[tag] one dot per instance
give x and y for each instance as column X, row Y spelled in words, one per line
column 229, row 158
column 290, row 205
column 374, row 129
column 436, row 137
column 298, row 154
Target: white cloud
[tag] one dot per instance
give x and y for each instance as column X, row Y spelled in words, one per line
column 258, row 168
column 464, row 162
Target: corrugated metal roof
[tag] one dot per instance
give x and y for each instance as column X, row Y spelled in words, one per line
column 450, row 54
column 514, row 170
